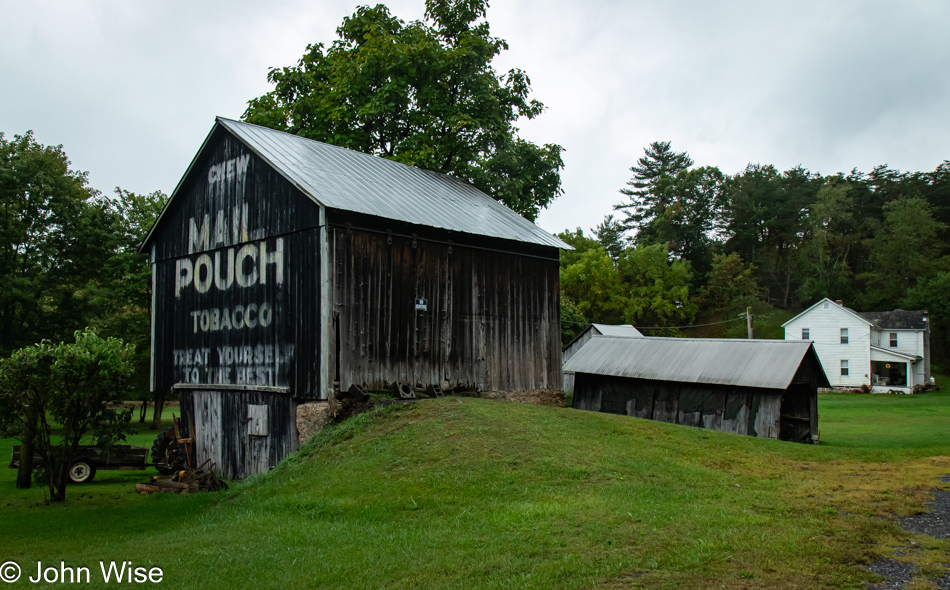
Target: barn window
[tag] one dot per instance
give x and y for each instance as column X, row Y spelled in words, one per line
column 257, row 420
column 844, row 335
column 844, row 368
column 893, row 339
column 806, row 334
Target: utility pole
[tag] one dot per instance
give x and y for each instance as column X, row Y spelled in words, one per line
column 748, row 321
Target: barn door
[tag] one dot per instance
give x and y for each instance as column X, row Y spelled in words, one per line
column 208, row 431
column 257, row 459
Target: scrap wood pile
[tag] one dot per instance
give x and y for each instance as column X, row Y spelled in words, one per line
column 186, row 481
column 177, row 466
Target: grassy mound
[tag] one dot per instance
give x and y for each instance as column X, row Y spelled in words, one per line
column 470, row 493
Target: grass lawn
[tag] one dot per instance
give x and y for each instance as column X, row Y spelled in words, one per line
column 470, row 493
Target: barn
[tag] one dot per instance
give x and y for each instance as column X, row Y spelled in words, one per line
column 593, row 331
column 764, row 388
column 285, row 271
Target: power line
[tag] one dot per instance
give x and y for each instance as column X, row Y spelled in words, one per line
column 742, row 318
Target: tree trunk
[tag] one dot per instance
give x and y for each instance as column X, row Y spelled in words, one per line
column 159, row 402
column 143, row 409
column 66, row 453
column 60, row 476
column 24, row 475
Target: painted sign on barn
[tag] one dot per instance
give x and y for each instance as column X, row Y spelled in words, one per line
column 229, row 280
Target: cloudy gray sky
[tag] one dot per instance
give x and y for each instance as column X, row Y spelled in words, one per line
column 130, row 88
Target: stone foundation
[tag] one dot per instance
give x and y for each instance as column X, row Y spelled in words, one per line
column 311, row 418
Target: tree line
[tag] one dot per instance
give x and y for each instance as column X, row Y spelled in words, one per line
column 691, row 245
column 70, row 255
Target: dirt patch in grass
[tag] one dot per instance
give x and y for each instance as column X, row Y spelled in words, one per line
column 936, row 522
column 538, row 397
column 896, row 574
column 904, row 572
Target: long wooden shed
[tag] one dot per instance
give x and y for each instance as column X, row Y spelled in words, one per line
column 286, row 270
column 765, row 388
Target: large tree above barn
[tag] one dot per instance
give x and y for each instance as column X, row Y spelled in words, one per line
column 421, row 93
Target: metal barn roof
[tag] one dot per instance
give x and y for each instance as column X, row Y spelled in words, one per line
column 344, row 179
column 769, row 364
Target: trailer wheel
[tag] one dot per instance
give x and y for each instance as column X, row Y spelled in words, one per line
column 81, row 471
column 166, row 453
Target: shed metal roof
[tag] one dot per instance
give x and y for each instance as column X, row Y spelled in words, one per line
column 769, row 364
column 618, row 330
column 344, row 179
column 625, row 330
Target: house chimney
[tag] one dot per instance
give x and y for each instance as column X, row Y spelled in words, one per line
column 839, row 302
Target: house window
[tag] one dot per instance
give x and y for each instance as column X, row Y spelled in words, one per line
column 893, row 339
column 806, row 335
column 844, row 335
column 844, row 368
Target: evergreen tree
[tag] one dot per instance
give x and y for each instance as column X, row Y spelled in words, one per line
column 644, row 200
column 609, row 234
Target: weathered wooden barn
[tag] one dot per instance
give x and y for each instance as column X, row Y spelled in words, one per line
column 286, row 270
column 592, row 331
column 765, row 388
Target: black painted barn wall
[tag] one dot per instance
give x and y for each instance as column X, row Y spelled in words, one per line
column 258, row 236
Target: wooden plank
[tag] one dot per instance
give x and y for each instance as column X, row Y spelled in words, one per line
column 257, row 420
column 767, row 417
column 325, row 302
column 208, row 431
column 742, row 417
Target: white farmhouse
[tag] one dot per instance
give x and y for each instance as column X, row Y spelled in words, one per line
column 887, row 350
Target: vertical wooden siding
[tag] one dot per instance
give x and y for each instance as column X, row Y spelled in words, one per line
column 740, row 410
column 222, row 427
column 492, row 320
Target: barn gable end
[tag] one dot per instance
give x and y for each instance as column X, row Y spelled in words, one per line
column 234, row 260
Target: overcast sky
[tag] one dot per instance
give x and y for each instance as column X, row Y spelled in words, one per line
column 130, row 88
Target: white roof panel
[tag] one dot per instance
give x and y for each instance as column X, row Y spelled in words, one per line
column 620, row 330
